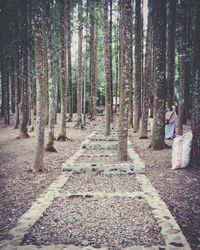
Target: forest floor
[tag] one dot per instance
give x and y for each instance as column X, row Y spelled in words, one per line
column 19, row 187
column 180, row 189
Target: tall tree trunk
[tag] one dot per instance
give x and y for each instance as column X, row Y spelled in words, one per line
column 126, row 19
column 131, row 85
column 138, row 65
column 107, row 68
column 157, row 140
column 80, row 65
column 63, row 89
column 183, row 63
column 24, row 104
column 196, row 86
column 92, row 68
column 41, row 82
column 69, row 64
column 51, row 81
column 147, row 74
column 171, row 42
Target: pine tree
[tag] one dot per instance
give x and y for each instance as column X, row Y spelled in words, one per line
column 80, row 65
column 39, row 9
column 196, row 86
column 138, row 66
column 171, row 41
column 126, row 19
column 63, row 85
column 159, row 43
column 148, row 73
column 107, row 68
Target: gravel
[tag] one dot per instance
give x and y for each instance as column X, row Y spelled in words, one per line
column 100, row 159
column 93, row 182
column 113, row 222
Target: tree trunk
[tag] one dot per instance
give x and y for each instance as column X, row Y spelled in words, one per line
column 107, row 56
column 196, row 87
column 63, row 89
column 24, row 104
column 80, row 66
column 147, row 74
column 157, row 140
column 183, row 63
column 131, row 85
column 126, row 19
column 171, row 42
column 51, row 82
column 41, row 82
column 92, row 68
column 138, row 65
column 69, row 64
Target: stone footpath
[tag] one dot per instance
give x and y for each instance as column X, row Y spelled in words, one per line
column 92, row 176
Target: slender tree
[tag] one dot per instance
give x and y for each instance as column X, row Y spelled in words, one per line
column 183, row 63
column 138, row 65
column 41, row 82
column 24, row 104
column 126, row 19
column 107, row 68
column 51, row 81
column 147, row 73
column 92, row 64
column 69, row 64
column 196, row 86
column 63, row 88
column 157, row 140
column 80, row 65
column 171, row 41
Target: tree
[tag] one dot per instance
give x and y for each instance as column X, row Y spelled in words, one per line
column 183, row 63
column 159, row 43
column 138, row 66
column 63, row 88
column 92, row 64
column 108, row 64
column 69, row 64
column 51, row 81
column 80, row 65
column 41, row 82
column 196, row 86
column 126, row 19
column 24, row 104
column 148, row 73
column 171, row 41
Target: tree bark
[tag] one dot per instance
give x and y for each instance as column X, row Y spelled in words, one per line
column 92, row 68
column 107, row 56
column 147, row 74
column 24, row 104
column 51, row 82
column 80, row 65
column 41, row 82
column 196, row 86
column 69, row 64
column 171, row 42
column 126, row 19
column 138, row 66
column 157, row 140
column 63, row 89
column 183, row 63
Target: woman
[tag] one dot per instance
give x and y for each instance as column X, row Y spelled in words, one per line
column 170, row 123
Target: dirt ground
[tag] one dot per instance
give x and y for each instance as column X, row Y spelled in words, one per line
column 19, row 187
column 180, row 189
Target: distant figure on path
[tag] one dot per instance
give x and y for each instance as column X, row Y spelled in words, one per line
column 170, row 123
